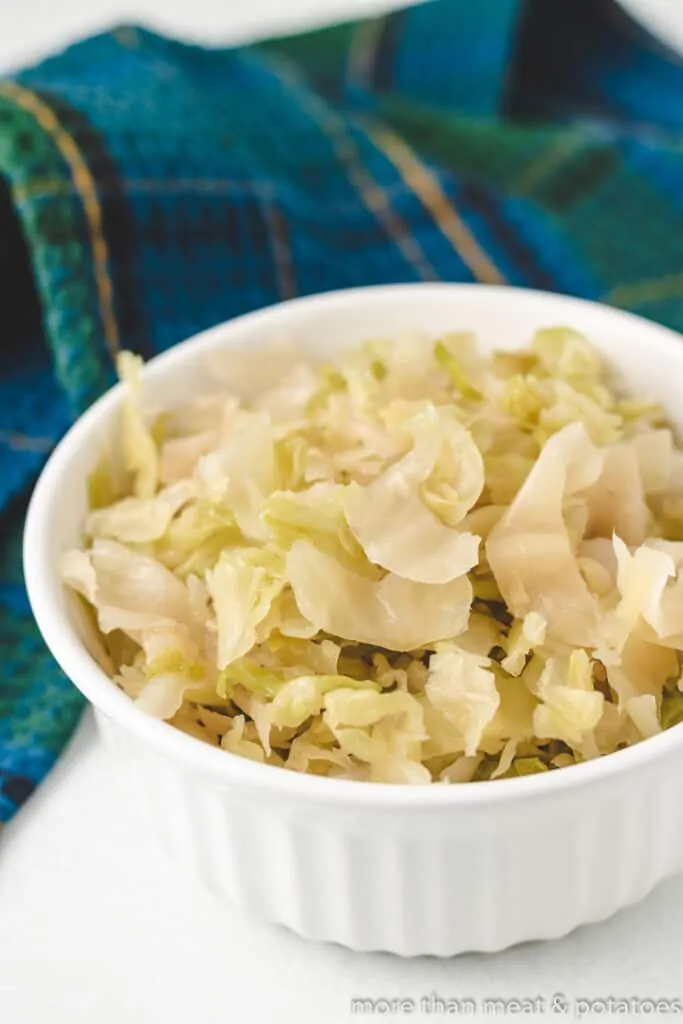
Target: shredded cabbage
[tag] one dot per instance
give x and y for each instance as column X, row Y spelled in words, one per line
column 418, row 564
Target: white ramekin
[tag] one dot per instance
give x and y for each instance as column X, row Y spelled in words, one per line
column 440, row 869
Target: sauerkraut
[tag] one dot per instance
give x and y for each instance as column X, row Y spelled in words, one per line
column 416, row 564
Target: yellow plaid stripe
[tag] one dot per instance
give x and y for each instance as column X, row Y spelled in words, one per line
column 279, row 243
column 346, row 151
column 426, row 187
column 639, row 293
column 87, row 190
column 547, row 161
column 363, row 51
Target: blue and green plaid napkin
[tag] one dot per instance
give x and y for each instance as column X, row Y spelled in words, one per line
column 149, row 189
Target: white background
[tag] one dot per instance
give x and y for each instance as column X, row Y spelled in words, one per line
column 96, row 927
column 28, row 28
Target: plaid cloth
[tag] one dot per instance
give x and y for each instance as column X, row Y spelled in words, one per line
column 152, row 189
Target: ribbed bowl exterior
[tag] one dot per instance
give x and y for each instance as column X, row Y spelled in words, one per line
column 433, row 880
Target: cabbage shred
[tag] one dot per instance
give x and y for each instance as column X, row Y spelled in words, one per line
column 420, row 564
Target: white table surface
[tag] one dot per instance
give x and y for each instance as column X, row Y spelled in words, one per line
column 96, row 927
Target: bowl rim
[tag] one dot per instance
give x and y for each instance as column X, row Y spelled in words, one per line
column 43, row 586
